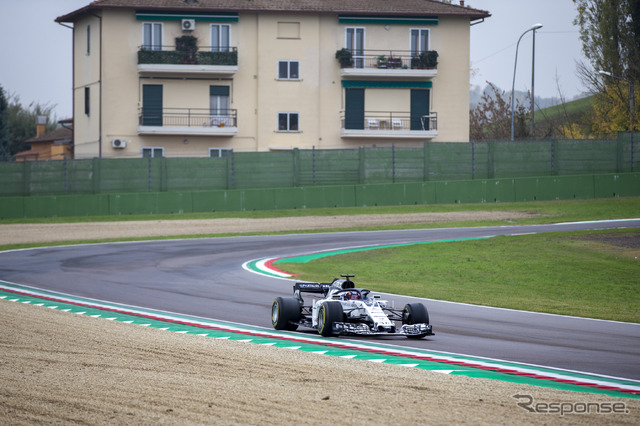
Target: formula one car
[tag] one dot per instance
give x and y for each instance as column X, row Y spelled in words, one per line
column 346, row 310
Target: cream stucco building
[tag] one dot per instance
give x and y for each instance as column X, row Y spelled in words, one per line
column 196, row 78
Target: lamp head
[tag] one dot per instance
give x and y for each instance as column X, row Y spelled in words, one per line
column 536, row 26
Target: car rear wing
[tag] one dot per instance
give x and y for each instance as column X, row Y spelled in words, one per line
column 320, row 288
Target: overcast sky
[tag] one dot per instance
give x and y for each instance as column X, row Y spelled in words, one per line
column 35, row 52
column 558, row 46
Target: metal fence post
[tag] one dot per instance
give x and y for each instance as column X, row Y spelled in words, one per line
column 620, row 152
column 393, row 163
column 425, row 161
column 65, row 173
column 491, row 167
column 361, row 164
column 313, row 163
column 95, row 164
column 553, row 156
column 149, row 174
column 473, row 160
column 26, row 177
column 632, row 152
column 295, row 158
column 230, row 171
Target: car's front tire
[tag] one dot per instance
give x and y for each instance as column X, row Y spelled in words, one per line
column 284, row 312
column 415, row 313
column 328, row 314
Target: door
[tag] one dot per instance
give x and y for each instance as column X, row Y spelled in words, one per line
column 220, row 114
column 354, row 109
column 419, row 109
column 152, row 105
column 354, row 41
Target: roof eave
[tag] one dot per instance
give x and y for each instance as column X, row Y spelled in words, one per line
column 73, row 16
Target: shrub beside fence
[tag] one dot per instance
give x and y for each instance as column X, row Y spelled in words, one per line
column 310, row 167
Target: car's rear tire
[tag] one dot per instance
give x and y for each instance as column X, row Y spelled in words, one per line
column 328, row 314
column 284, row 312
column 415, row 313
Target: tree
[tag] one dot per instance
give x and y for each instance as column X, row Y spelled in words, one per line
column 611, row 110
column 4, row 127
column 22, row 123
column 610, row 35
column 491, row 118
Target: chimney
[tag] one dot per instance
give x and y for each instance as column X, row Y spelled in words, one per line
column 461, row 2
column 41, row 125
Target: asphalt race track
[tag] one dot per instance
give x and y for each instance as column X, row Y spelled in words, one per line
column 204, row 277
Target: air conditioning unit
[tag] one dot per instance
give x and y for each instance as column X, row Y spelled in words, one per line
column 188, row 24
column 118, row 143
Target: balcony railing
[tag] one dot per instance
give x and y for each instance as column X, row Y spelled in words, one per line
column 204, row 55
column 391, row 59
column 201, row 118
column 390, row 121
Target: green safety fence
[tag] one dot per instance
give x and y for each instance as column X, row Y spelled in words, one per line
column 310, row 167
column 542, row 188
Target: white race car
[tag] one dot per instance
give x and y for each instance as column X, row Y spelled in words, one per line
column 346, row 310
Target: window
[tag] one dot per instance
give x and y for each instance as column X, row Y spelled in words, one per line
column 288, row 122
column 88, row 40
column 288, row 70
column 152, row 152
column 354, row 41
column 419, row 41
column 220, row 152
column 152, row 35
column 87, row 100
column 220, row 37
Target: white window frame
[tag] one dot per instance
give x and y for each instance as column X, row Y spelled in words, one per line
column 288, row 126
column 220, row 48
column 152, row 149
column 358, row 60
column 155, row 44
column 288, row 76
column 218, row 152
column 419, row 49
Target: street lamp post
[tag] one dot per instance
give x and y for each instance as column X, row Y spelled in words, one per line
column 631, row 100
column 513, row 86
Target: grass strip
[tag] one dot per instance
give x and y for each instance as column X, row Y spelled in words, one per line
column 586, row 274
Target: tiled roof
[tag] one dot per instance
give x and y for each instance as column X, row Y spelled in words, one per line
column 363, row 7
column 59, row 134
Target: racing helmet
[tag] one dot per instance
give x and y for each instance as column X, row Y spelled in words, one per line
column 353, row 295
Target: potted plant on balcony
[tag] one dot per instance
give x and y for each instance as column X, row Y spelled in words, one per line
column 345, row 58
column 187, row 46
column 394, row 62
column 430, row 59
column 426, row 60
column 381, row 61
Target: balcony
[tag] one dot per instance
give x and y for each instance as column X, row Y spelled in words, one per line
column 188, row 121
column 202, row 60
column 389, row 124
column 389, row 63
